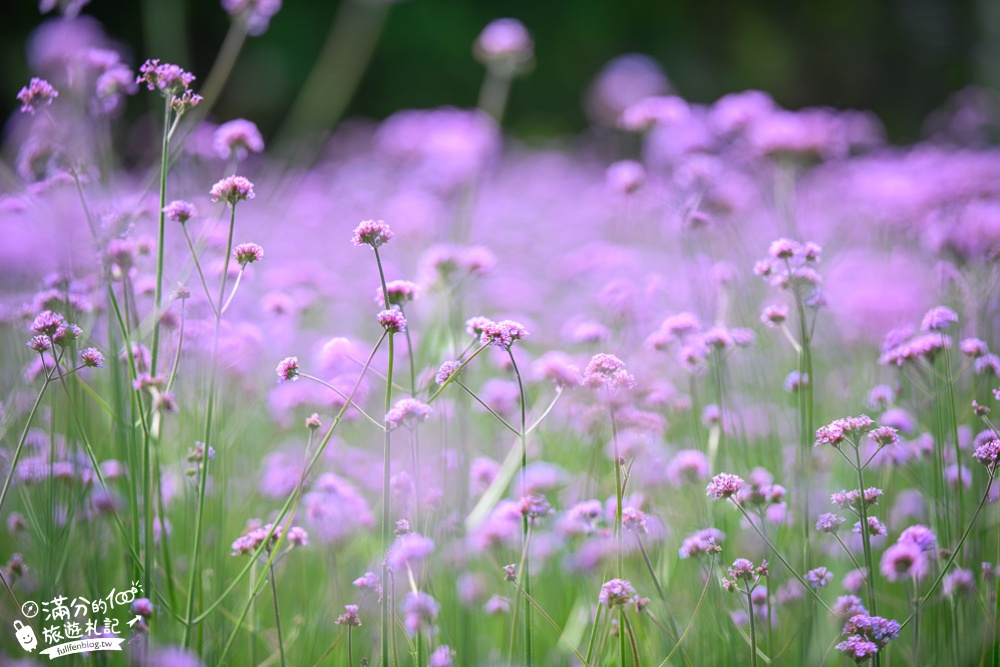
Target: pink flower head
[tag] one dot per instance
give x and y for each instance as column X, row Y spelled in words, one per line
column 35, row 94
column 625, row 177
column 903, row 560
column 349, row 617
column 819, row 577
column 919, row 535
column 474, row 326
column 938, row 318
column 92, row 357
column 256, row 13
column 502, row 334
column 408, row 411
column 607, row 371
column 701, row 542
column 40, row 343
column 829, row 523
column 651, row 111
column 169, row 79
column 372, row 232
column 248, row 253
column 988, row 453
column 772, row 316
column 446, row 370
column 47, row 323
column 974, row 347
column 400, row 292
column 180, row 211
column 420, row 611
column 884, row 435
column 237, row 138
column 288, row 369
column 392, row 320
column 724, row 485
column 847, row 428
column 616, row 593
column 232, row 189
column 504, row 42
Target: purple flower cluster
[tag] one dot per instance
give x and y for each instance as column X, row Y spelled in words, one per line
column 723, row 486
column 407, row 411
column 606, row 371
column 38, row 92
column 374, row 233
column 846, row 428
column 501, row 334
column 232, row 189
column 616, row 593
column 170, row 79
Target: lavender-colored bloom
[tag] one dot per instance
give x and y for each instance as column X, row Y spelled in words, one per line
column 143, row 607
column 350, row 616
column 420, row 611
column 179, row 211
column 534, row 506
column 169, row 79
column 782, row 249
column 505, row 43
column 880, row 397
column 795, row 381
column 607, row 371
column 185, row 101
column 443, row 656
column 372, row 232
column 648, row 112
column 248, row 253
column 256, row 13
column 400, row 292
column 40, row 343
column 724, row 485
column 288, row 369
column 392, row 320
column 625, row 177
column 634, row 520
column 974, row 347
column 849, row 428
column 232, row 189
column 829, row 523
column 858, row 648
column 556, row 367
column 297, row 536
column 875, row 527
column 367, row 582
column 903, row 560
column 92, row 357
column 409, row 549
column 497, row 605
column 876, row 629
column 236, row 139
column 502, row 334
column 920, row 536
column 772, row 316
column 884, row 435
column 987, row 365
column 742, row 568
column 854, row 580
column 847, row 606
column 47, row 323
column 446, row 370
column 38, row 92
column 988, row 453
column 616, row 593
column 687, row 465
column 958, row 580
column 819, row 577
column 408, row 411
column 938, row 318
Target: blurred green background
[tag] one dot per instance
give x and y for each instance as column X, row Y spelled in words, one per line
column 899, row 58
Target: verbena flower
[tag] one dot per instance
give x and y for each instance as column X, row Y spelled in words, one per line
column 847, row 606
column 829, row 523
column 420, row 611
column 408, row 411
column 505, row 44
column 819, row 577
column 232, row 189
column 256, row 13
column 724, row 485
column 288, row 369
column 374, row 233
column 350, row 616
column 237, row 138
column 38, row 92
column 704, row 541
column 616, row 593
column 92, row 357
column 180, row 211
column 846, row 428
column 988, row 454
column 248, row 253
column 958, row 581
column 502, row 334
column 443, row 656
column 400, row 292
column 607, row 371
column 392, row 320
column 409, row 549
column 938, row 318
column 446, row 370
column 168, row 79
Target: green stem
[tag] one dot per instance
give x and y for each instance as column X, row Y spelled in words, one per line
column 528, row 647
column 201, row 274
column 158, row 296
column 865, row 534
column 20, row 442
column 277, row 616
column 753, row 630
column 618, row 496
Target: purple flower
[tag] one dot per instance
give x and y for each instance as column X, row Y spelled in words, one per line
column 819, row 577
column 974, row 347
column 143, row 607
column 47, row 323
column 625, row 177
column 350, row 616
column 829, row 523
column 958, row 580
column 857, row 648
column 903, row 560
column 875, row 629
column 408, row 411
column 938, row 318
column 179, row 211
column 248, row 253
column 92, row 357
column 987, row 365
column 724, row 485
column 40, row 343
column 236, row 139
column 884, row 435
column 651, row 111
column 988, row 453
column 502, row 334
column 420, row 611
column 392, row 320
column 232, row 189
column 288, row 369
column 506, row 43
column 256, row 13
column 400, row 292
column 847, row 606
column 773, row 316
column 35, row 94
column 445, row 372
column 372, row 232
column 442, row 656
column 875, row 527
column 701, row 542
column 169, row 79
column 687, row 465
column 634, row 520
column 919, row 535
column 742, row 568
column 616, row 593
column 849, row 428
column 607, row 371
column 409, row 549
column 881, row 397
